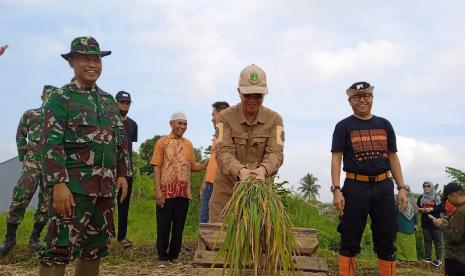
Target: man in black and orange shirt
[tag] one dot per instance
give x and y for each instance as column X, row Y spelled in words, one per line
column 367, row 146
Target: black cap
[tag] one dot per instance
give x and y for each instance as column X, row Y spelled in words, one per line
column 123, row 96
column 451, row 188
column 361, row 85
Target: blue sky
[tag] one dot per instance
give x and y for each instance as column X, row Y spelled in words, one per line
column 184, row 55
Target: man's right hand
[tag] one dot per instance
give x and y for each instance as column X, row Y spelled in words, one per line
column 244, row 174
column 159, row 198
column 63, row 201
column 338, row 201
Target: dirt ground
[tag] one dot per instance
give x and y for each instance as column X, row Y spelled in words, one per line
column 107, row 269
column 140, row 261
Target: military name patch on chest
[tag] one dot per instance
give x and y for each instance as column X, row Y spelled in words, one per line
column 240, row 134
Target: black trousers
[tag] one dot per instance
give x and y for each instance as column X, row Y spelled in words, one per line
column 123, row 210
column 454, row 267
column 171, row 218
column 368, row 198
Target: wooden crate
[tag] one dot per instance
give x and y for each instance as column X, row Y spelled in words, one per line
column 211, row 237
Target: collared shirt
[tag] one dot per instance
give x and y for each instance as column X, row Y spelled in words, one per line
column 212, row 166
column 84, row 142
column 175, row 157
column 242, row 144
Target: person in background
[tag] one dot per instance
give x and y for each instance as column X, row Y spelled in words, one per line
column 407, row 224
column 454, row 230
column 207, row 185
column 123, row 99
column 28, row 145
column 426, row 204
column 173, row 160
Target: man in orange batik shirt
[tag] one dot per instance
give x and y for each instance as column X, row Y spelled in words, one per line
column 173, row 160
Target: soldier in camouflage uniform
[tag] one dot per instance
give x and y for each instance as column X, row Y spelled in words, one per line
column 27, row 141
column 85, row 158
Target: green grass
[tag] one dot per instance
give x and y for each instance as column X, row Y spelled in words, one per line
column 142, row 231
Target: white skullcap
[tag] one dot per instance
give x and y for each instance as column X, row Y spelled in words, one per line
column 178, row 116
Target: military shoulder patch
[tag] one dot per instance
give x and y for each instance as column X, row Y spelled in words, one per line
column 219, row 132
column 280, row 135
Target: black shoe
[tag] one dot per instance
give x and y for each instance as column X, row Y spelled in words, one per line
column 10, row 238
column 437, row 263
column 126, row 243
column 34, row 241
column 427, row 260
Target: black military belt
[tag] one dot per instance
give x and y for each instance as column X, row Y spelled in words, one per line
column 368, row 178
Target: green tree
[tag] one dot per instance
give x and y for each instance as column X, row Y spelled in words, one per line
column 207, row 151
column 309, row 187
column 456, row 174
column 146, row 152
column 198, row 154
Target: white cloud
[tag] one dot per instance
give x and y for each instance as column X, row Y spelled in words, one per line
column 180, row 55
column 422, row 160
column 372, row 56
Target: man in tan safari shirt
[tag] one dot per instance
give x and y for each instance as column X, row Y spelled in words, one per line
column 250, row 140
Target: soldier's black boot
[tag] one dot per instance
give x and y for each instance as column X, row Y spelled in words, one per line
column 10, row 238
column 34, row 240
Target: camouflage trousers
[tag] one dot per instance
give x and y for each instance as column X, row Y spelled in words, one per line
column 86, row 234
column 31, row 178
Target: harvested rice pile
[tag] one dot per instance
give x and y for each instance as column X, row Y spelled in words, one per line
column 259, row 231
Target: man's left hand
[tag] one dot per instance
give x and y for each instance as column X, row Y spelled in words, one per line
column 439, row 222
column 122, row 184
column 402, row 199
column 260, row 173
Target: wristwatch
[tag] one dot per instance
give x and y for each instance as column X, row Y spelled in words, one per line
column 406, row 187
column 335, row 187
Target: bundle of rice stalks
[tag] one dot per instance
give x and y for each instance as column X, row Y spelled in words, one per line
column 259, row 232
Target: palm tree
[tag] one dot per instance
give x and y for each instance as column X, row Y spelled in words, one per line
column 309, row 187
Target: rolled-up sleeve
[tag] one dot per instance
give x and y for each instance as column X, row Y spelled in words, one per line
column 225, row 149
column 273, row 158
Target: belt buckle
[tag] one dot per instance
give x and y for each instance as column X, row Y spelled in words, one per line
column 372, row 178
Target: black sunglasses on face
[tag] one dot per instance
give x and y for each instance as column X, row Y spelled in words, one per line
column 426, row 186
column 365, row 96
column 255, row 96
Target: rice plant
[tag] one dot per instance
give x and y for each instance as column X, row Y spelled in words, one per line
column 259, row 232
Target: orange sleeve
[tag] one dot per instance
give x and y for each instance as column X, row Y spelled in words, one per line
column 158, row 151
column 192, row 153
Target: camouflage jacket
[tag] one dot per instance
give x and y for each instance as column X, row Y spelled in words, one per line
column 28, row 135
column 84, row 141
